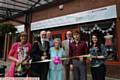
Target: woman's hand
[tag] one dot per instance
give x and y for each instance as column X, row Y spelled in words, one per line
column 97, row 57
column 13, row 59
column 24, row 62
column 18, row 63
column 100, row 57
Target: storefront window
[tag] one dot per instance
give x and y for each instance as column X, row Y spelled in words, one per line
column 106, row 31
column 57, row 36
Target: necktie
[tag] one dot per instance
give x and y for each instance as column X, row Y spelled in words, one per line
column 43, row 44
column 69, row 40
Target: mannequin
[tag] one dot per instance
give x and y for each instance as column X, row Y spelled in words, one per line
column 108, row 39
column 109, row 45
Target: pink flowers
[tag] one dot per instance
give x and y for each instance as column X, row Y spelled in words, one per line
column 56, row 60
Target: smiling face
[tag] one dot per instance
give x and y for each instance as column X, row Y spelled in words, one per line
column 23, row 37
column 69, row 35
column 57, row 43
column 76, row 35
column 43, row 34
column 94, row 39
column 49, row 34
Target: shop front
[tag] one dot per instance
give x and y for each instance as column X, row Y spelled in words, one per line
column 107, row 33
column 100, row 21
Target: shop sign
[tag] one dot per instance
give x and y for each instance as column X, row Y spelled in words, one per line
column 103, row 13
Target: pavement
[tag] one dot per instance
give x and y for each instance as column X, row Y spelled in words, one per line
column 89, row 77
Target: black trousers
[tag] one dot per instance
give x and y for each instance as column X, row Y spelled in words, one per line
column 98, row 73
column 39, row 70
column 44, row 71
column 67, row 71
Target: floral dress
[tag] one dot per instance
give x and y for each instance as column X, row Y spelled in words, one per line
column 22, row 56
column 16, row 52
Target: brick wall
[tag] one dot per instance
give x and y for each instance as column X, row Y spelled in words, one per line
column 71, row 7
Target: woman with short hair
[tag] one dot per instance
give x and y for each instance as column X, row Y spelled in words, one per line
column 55, row 68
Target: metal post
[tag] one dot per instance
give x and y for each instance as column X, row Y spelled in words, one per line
column 28, row 18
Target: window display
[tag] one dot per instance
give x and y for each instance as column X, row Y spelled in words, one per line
column 106, row 31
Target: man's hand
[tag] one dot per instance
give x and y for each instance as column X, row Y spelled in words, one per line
column 43, row 57
column 80, row 58
column 71, row 67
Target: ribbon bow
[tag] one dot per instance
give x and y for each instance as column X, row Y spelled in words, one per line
column 56, row 60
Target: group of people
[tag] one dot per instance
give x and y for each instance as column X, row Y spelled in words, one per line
column 48, row 58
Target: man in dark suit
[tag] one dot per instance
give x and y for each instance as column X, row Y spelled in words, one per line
column 40, row 51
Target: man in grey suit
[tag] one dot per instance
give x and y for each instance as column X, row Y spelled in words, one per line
column 65, row 45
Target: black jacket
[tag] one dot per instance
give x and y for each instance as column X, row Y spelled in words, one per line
column 37, row 50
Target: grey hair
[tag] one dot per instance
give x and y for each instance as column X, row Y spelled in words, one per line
column 57, row 39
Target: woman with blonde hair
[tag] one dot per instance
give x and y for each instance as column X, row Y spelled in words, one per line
column 55, row 68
